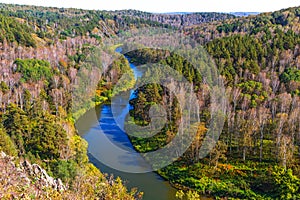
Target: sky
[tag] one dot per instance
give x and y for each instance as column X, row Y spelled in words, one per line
column 167, row 5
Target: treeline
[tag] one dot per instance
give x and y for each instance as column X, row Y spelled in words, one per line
column 60, row 22
column 239, row 53
column 175, row 20
column 257, row 155
column 13, row 31
column 253, row 25
column 260, row 26
column 36, row 111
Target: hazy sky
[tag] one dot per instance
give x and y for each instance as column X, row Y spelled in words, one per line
column 168, row 5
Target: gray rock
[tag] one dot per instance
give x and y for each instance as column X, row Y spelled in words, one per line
column 42, row 177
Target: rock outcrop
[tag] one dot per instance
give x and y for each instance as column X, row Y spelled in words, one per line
column 25, row 180
column 39, row 174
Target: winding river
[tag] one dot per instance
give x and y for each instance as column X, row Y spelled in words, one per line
column 103, row 134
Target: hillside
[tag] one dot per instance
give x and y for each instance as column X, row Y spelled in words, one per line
column 257, row 155
column 44, row 51
column 260, row 25
column 37, row 119
column 50, row 23
column 243, row 14
column 178, row 20
column 29, row 181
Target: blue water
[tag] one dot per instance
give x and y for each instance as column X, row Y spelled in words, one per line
column 110, row 149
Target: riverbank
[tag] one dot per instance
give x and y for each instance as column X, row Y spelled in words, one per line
column 96, row 131
column 104, row 91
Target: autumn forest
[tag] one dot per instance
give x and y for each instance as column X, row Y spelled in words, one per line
column 44, row 50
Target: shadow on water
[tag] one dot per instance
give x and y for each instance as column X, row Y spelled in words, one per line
column 153, row 186
column 93, row 130
column 99, row 128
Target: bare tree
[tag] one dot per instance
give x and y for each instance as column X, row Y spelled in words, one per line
column 263, row 116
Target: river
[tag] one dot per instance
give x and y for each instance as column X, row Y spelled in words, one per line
column 102, row 133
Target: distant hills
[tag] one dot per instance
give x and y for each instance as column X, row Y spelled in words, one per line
column 244, row 14
column 238, row 14
column 174, row 19
column 44, row 50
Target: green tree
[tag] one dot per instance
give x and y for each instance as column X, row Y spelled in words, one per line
column 47, row 139
column 17, row 126
column 34, row 70
column 287, row 184
column 6, row 144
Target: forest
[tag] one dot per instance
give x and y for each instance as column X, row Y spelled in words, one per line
column 45, row 50
column 259, row 145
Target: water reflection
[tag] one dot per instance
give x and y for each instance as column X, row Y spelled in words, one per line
column 105, row 137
